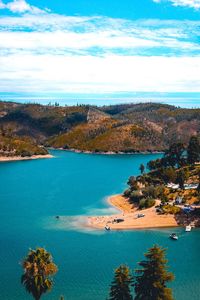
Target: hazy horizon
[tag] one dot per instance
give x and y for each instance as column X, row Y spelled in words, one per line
column 100, row 52
column 183, row 103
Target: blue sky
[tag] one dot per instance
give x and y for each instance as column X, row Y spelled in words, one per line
column 102, row 51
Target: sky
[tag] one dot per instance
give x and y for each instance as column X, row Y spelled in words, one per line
column 100, row 51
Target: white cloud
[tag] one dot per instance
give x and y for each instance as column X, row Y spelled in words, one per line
column 186, row 3
column 96, row 35
column 20, row 6
column 56, row 53
column 189, row 3
column 87, row 74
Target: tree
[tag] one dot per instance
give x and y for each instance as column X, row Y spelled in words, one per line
column 174, row 156
column 150, row 281
column 182, row 176
column 154, row 164
column 38, row 268
column 120, row 287
column 142, row 168
column 169, row 174
column 132, row 182
column 193, row 150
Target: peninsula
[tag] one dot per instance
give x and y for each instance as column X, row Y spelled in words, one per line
column 167, row 195
column 131, row 218
column 13, row 148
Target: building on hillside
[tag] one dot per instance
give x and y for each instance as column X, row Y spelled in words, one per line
column 179, row 200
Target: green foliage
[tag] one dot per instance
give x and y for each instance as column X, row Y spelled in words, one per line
column 154, row 164
column 120, row 287
column 146, row 203
column 193, row 150
column 135, row 197
column 38, row 269
column 171, row 209
column 23, row 146
column 168, row 174
column 118, row 128
column 142, row 168
column 150, row 192
column 182, row 176
column 174, row 156
column 160, row 190
column 150, row 281
column 127, row 193
column 132, row 182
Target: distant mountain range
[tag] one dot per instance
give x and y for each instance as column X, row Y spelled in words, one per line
column 117, row 128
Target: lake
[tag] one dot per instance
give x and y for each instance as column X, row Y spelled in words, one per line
column 73, row 185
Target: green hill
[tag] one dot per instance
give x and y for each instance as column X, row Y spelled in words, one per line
column 15, row 146
column 118, row 128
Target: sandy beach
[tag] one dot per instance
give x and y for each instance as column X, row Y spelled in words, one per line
column 129, row 215
column 16, row 158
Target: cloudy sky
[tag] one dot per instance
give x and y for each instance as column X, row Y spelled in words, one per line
column 101, row 50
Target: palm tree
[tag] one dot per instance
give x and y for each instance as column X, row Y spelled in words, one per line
column 38, row 268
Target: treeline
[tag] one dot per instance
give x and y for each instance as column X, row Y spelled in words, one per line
column 149, row 281
column 178, row 155
column 176, row 166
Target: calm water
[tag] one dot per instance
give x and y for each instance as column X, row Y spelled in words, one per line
column 33, row 192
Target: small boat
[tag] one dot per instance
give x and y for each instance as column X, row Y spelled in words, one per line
column 107, row 227
column 57, row 217
column 188, row 228
column 173, row 236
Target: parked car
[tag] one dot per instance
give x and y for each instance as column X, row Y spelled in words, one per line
column 140, row 215
column 118, row 220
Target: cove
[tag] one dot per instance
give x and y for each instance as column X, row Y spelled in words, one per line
column 75, row 184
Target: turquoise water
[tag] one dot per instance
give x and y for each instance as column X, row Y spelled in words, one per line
column 33, row 192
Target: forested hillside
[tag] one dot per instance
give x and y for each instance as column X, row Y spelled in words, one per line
column 117, row 128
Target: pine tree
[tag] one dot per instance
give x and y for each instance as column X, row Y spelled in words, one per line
column 182, row 176
column 120, row 287
column 174, row 156
column 150, row 281
column 193, row 150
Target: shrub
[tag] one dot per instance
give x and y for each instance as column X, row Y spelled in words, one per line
column 25, row 153
column 146, row 203
column 135, row 197
column 127, row 193
column 169, row 209
column 150, row 192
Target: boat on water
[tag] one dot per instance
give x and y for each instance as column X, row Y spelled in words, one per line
column 173, row 236
column 107, row 227
column 188, row 228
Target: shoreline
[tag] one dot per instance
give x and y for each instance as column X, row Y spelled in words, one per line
column 128, row 214
column 107, row 152
column 19, row 158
